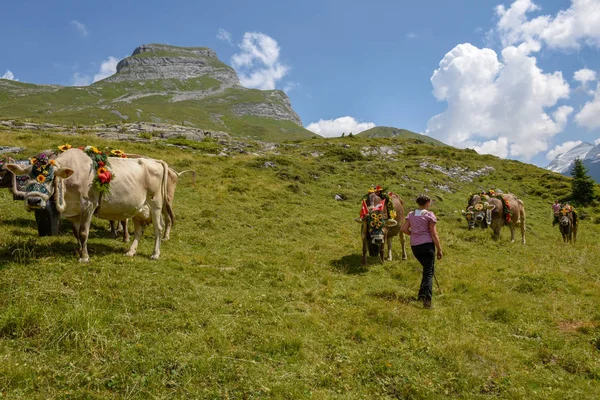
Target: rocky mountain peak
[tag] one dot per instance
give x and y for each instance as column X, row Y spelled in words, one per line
column 161, row 61
column 562, row 162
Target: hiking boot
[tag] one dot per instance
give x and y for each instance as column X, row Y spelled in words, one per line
column 427, row 303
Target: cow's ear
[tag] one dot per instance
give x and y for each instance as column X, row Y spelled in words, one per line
column 19, row 169
column 391, row 222
column 64, row 172
column 470, row 208
column 360, row 221
column 491, row 206
column 464, row 212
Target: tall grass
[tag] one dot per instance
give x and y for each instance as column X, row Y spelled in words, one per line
column 260, row 292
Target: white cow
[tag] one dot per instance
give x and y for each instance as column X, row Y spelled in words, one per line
column 137, row 191
column 168, row 215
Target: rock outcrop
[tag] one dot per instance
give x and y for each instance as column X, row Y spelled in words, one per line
column 158, row 61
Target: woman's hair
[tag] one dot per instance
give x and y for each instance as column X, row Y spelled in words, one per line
column 423, row 199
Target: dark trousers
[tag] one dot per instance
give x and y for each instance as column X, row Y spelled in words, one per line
column 425, row 253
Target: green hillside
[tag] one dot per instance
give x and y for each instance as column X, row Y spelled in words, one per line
column 260, row 292
column 144, row 89
column 388, row 132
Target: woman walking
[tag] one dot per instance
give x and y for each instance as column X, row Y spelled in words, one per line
column 420, row 225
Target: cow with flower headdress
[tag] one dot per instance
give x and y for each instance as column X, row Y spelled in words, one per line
column 479, row 211
column 86, row 183
column 381, row 217
column 499, row 209
column 567, row 224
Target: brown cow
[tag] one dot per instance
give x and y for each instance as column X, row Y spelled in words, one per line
column 507, row 209
column 477, row 212
column 567, row 221
column 138, row 191
column 374, row 234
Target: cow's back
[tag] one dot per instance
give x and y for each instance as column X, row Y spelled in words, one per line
column 135, row 183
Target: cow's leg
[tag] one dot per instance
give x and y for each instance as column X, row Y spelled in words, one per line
column 381, row 252
column 389, row 247
column 84, row 231
column 156, row 212
column 512, row 232
column 168, row 225
column 125, row 226
column 523, row 228
column 364, row 251
column 114, row 228
column 138, row 230
column 403, row 244
column 75, row 227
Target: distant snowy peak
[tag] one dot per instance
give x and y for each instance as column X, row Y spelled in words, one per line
column 563, row 161
column 593, row 156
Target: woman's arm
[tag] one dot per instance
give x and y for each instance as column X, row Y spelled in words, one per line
column 436, row 239
column 406, row 227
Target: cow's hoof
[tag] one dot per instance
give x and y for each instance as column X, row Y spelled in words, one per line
column 84, row 260
column 154, row 256
column 130, row 253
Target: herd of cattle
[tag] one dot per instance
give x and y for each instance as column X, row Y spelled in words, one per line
column 143, row 190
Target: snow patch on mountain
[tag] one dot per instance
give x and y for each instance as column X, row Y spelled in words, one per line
column 562, row 162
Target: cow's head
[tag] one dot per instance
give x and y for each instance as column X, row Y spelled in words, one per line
column 376, row 220
column 44, row 176
column 564, row 218
column 480, row 213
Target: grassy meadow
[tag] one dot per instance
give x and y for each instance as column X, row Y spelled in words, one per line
column 260, row 292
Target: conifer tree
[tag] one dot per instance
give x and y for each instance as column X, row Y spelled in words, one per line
column 582, row 186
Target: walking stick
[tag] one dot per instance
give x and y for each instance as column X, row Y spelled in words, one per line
column 437, row 283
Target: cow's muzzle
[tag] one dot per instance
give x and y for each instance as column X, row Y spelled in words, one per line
column 35, row 202
column 377, row 239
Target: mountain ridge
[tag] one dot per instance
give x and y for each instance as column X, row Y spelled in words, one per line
column 391, row 132
column 587, row 152
column 161, row 84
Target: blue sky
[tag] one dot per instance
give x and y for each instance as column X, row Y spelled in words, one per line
column 507, row 85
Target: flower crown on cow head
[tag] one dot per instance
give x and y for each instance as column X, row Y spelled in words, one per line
column 100, row 164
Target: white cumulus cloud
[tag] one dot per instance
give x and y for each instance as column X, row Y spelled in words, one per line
column 81, row 28
column 584, row 76
column 562, row 148
column 568, row 29
column 9, row 75
column 107, row 68
column 335, row 127
column 496, row 147
column 589, row 116
column 257, row 62
column 503, row 103
column 224, row 36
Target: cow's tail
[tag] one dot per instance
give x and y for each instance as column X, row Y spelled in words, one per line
column 167, row 209
column 189, row 171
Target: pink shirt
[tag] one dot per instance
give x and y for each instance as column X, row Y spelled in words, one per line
column 556, row 208
column 419, row 227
